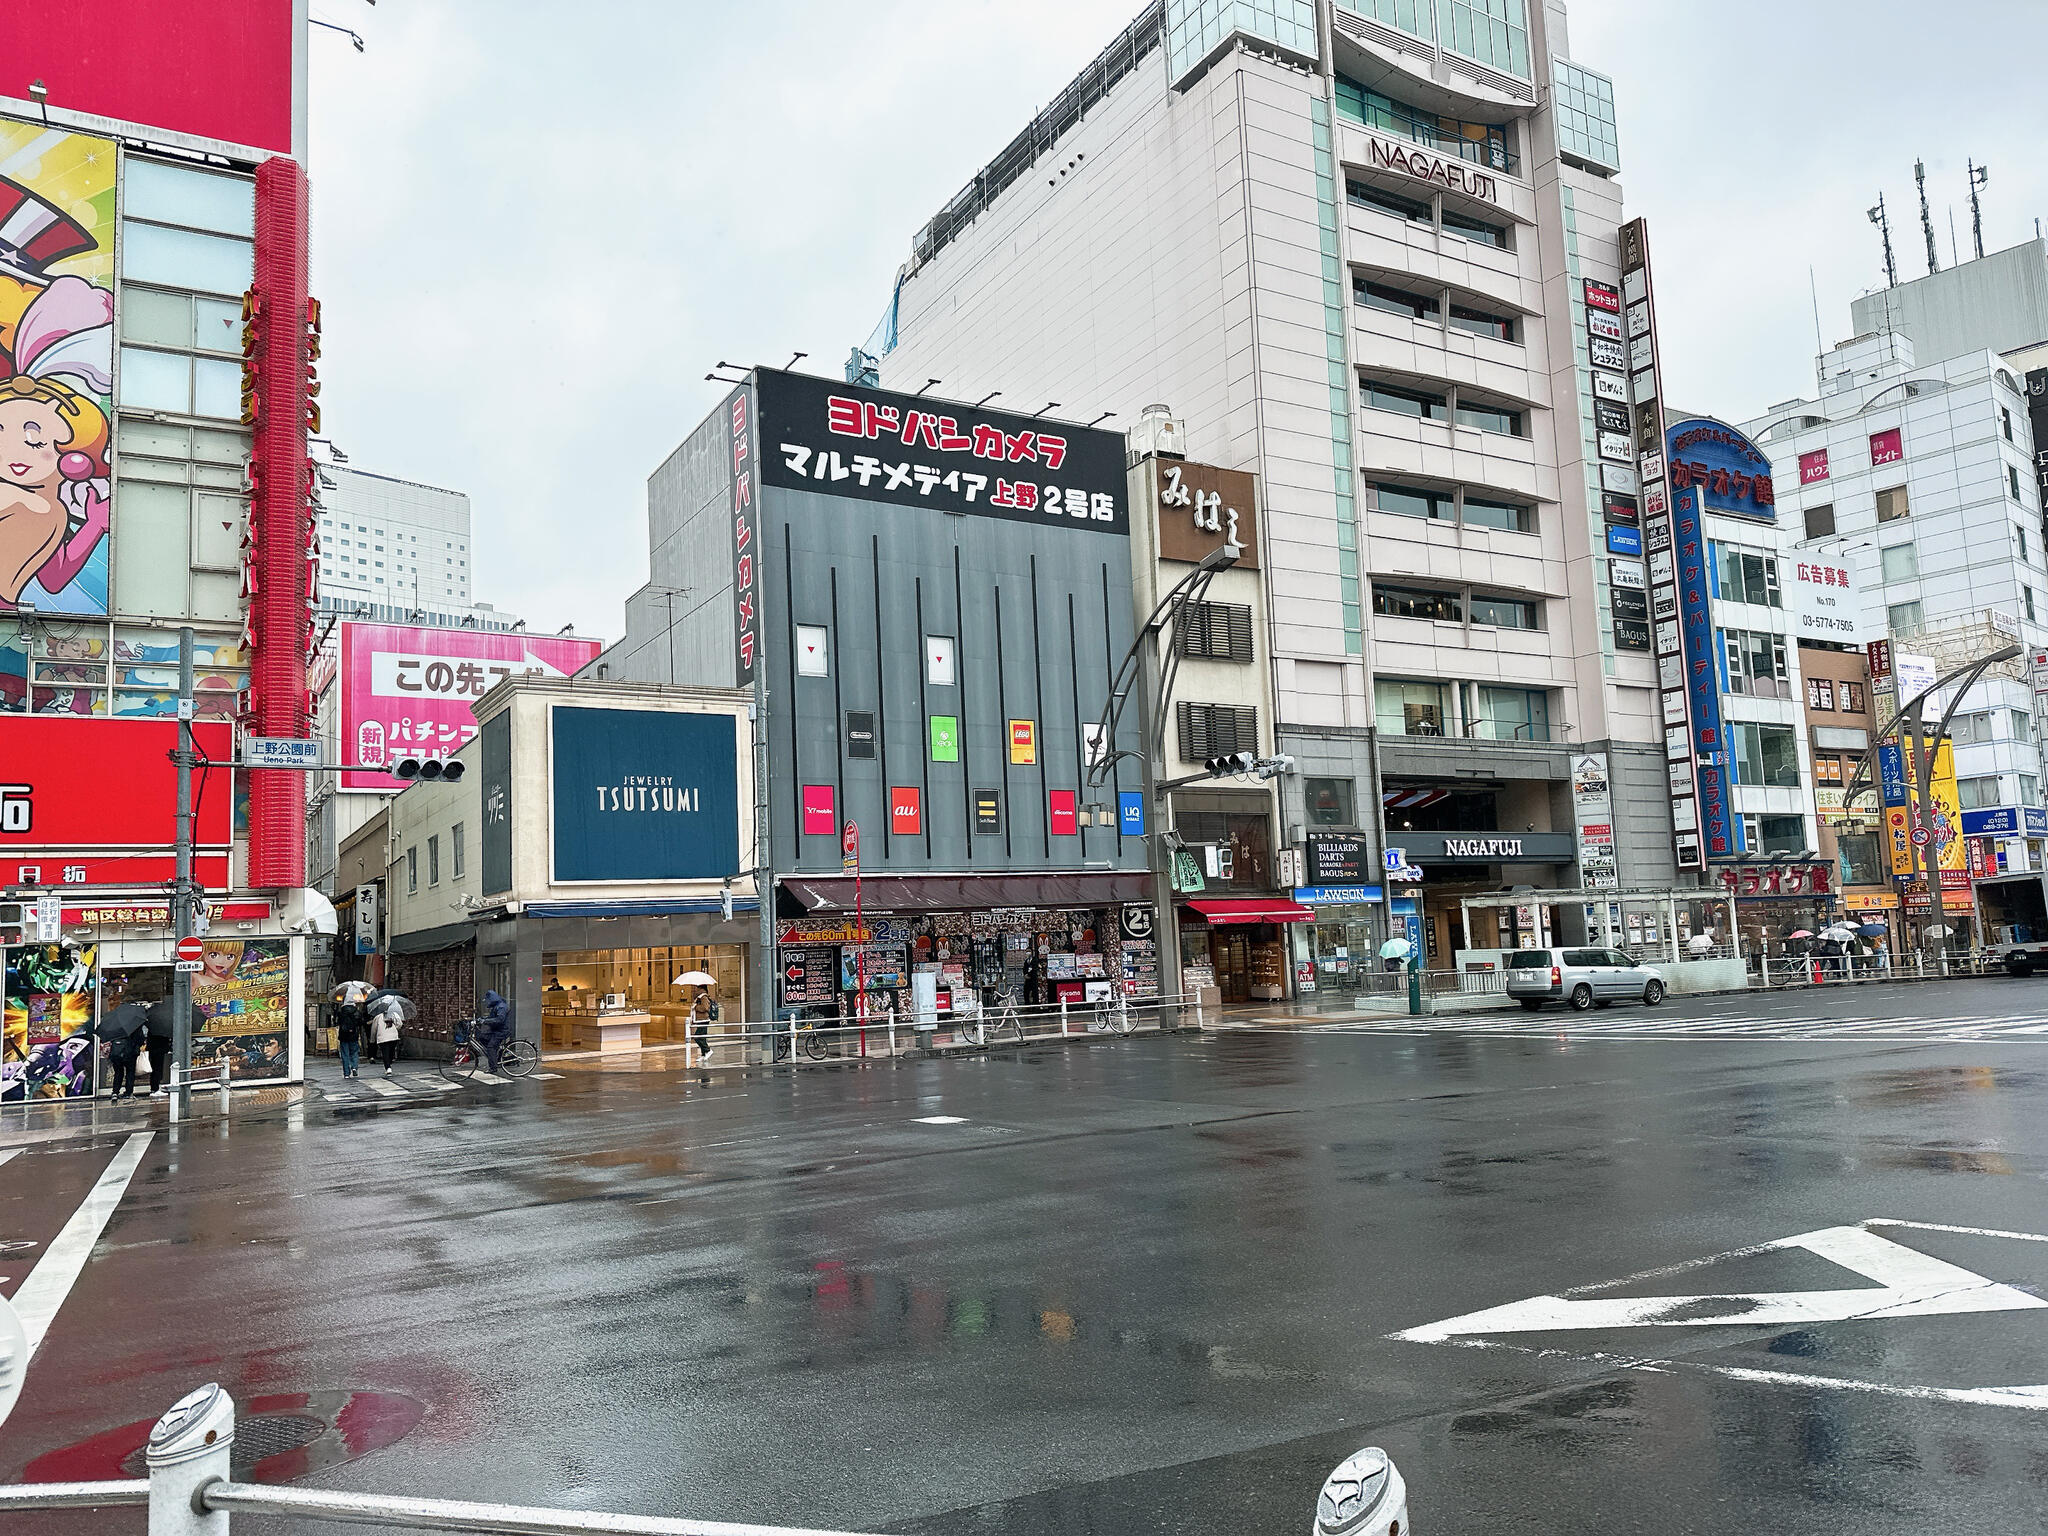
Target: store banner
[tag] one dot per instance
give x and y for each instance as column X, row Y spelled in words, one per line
column 243, row 989
column 642, row 794
column 407, row 691
column 495, row 786
column 906, row 811
column 78, row 783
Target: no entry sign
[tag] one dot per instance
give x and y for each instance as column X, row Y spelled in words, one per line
column 191, row 953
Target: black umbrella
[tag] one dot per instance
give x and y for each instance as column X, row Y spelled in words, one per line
column 120, row 1022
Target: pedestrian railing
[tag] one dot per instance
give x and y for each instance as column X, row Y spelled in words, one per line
column 190, row 1491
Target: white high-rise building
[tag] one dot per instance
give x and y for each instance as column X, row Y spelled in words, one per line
column 393, row 544
column 1350, row 245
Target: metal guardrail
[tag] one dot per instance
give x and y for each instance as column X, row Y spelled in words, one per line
column 190, row 1491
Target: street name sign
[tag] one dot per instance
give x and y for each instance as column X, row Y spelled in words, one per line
column 279, row 752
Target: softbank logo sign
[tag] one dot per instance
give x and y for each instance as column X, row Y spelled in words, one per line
column 906, row 812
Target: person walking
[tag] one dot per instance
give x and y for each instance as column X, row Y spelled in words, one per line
column 702, row 1012
column 495, row 1030
column 123, row 1029
column 349, row 1021
column 386, row 1024
column 160, row 1026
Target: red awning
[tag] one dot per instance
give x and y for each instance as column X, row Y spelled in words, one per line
column 1248, row 911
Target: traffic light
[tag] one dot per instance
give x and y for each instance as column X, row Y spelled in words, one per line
column 409, row 768
column 1233, row 763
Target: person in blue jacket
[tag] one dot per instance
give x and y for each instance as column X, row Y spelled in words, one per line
column 495, row 1029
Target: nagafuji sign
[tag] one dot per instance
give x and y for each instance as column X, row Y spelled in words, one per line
column 1419, row 163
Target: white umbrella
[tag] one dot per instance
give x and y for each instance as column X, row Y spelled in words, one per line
column 696, row 979
column 1395, row 949
column 1941, row 932
column 1841, row 933
column 1700, row 942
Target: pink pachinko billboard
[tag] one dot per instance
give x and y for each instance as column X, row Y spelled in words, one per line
column 409, row 692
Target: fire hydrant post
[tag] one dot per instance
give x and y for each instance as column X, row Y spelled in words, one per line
column 188, row 1449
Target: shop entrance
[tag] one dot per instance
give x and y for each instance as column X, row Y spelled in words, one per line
column 576, row 983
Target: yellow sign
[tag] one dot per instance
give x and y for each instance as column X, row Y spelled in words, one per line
column 1943, row 829
column 1885, row 901
column 1023, row 741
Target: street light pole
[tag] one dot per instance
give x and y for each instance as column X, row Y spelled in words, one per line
column 181, row 891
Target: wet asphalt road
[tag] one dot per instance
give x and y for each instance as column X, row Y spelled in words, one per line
column 1143, row 1285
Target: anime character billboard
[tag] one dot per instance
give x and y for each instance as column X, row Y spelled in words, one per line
column 56, row 367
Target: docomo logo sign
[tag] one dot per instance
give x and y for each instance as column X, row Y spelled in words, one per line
column 1423, row 166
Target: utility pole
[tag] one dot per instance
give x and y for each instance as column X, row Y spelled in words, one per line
column 1980, row 177
column 1884, row 228
column 1926, row 218
column 181, row 891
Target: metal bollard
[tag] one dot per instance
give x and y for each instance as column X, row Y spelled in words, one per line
column 189, row 1449
column 1365, row 1496
column 1063, row 1016
column 226, row 1098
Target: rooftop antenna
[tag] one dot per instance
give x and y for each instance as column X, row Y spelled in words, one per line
column 1955, row 259
column 1813, row 288
column 1926, row 218
column 1884, row 227
column 1980, row 177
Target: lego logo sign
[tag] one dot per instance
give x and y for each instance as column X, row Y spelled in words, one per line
column 906, row 812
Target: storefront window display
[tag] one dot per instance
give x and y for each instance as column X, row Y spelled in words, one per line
column 574, row 983
column 1041, row 957
column 47, row 1046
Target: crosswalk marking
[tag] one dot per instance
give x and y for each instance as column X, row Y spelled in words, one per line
column 2023, row 1028
column 368, row 1089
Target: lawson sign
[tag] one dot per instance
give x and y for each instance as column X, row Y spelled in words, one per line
column 644, row 795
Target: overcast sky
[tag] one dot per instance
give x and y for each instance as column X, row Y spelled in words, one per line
column 536, row 226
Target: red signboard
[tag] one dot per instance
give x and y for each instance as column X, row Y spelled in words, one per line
column 76, row 782
column 409, row 691
column 1880, row 655
column 68, row 868
column 1887, row 447
column 1813, row 466
column 220, row 69
column 819, row 818
column 906, row 811
column 1603, row 296
column 112, row 914
column 1060, row 810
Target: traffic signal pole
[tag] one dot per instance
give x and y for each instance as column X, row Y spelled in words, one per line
column 181, row 891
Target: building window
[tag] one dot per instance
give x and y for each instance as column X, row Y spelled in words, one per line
column 1480, row 323
column 1478, row 230
column 1482, row 143
column 1404, row 402
column 2012, row 480
column 1490, row 418
column 1221, row 631
column 1820, row 520
column 2005, row 422
column 1509, row 714
column 434, row 860
column 1506, row 612
column 2021, row 534
column 1978, row 794
column 1765, row 754
column 1757, row 664
column 2022, row 725
column 1820, row 693
column 1395, row 301
column 1329, row 802
column 1898, row 562
column 1493, row 32
column 1773, row 834
column 1405, row 501
column 1902, row 618
column 1216, row 730
column 1584, row 105
column 455, row 850
column 1504, row 515
column 1416, row 603
column 1970, row 730
column 2028, row 594
column 1749, row 577
column 1367, row 195
column 1827, row 770
column 1410, row 709
column 1892, row 505
column 1863, row 862
column 2030, row 789
column 412, row 871
column 1249, row 839
column 188, row 228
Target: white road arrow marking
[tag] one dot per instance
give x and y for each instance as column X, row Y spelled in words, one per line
column 1909, row 1284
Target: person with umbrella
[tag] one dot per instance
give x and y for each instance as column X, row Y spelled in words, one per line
column 349, row 1017
column 122, row 1028
column 1394, row 952
column 703, row 1009
column 390, row 1012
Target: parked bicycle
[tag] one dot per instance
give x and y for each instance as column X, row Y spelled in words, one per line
column 809, row 1039
column 990, row 1025
column 1112, row 1015
column 516, row 1058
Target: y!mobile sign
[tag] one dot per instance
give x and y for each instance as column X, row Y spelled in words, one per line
column 409, row 692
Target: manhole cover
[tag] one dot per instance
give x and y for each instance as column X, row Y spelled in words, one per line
column 257, row 1438
column 278, row 1438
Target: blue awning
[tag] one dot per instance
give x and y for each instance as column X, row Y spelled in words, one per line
column 678, row 907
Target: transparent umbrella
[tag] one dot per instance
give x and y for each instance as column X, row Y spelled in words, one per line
column 1395, row 949
column 696, row 979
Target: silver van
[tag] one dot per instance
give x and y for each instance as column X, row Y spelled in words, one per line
column 1585, row 978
